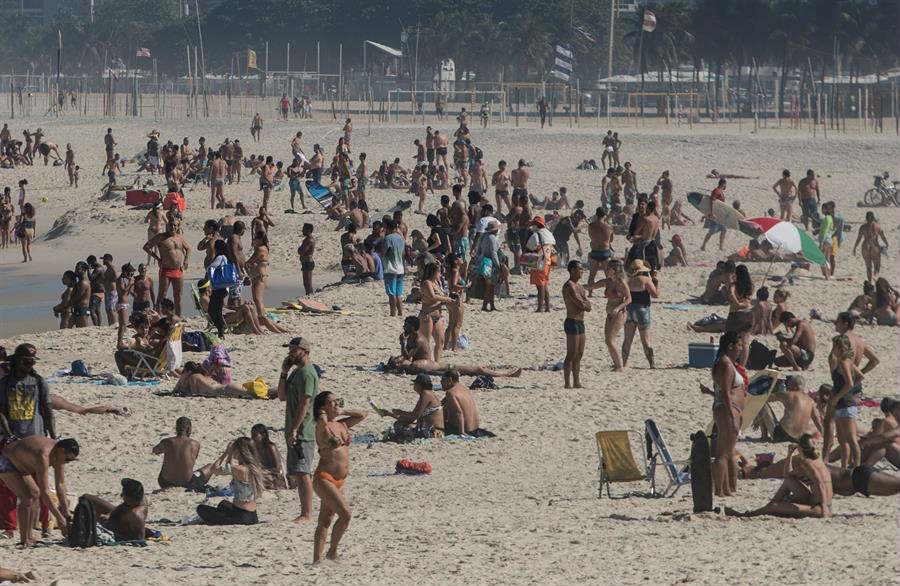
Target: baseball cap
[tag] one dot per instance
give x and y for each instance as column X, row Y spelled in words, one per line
column 299, row 342
column 423, row 380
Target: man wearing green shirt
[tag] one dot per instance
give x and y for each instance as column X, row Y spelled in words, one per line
column 298, row 388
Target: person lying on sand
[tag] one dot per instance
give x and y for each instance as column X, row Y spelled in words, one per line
column 717, row 175
column 127, row 521
column 195, row 383
column 415, row 357
column 806, row 491
column 17, row 578
column 179, row 455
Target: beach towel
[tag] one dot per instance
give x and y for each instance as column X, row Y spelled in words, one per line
column 412, row 468
column 682, row 307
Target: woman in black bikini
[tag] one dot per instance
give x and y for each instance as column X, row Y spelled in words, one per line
column 431, row 319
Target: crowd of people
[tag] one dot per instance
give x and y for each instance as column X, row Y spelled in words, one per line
column 475, row 245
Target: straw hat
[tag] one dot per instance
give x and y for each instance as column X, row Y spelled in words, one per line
column 638, row 267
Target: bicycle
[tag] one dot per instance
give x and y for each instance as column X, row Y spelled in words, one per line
column 883, row 193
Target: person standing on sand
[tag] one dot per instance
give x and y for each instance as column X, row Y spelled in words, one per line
column 110, row 143
column 712, row 226
column 577, row 303
column 143, row 295
column 179, row 455
column 218, row 170
column 501, row 181
column 869, row 233
column 601, row 236
column 256, row 127
column 306, row 251
column 333, row 437
column 172, row 252
column 786, row 190
column 80, row 299
column 643, row 284
column 298, row 388
column 70, row 164
column 395, row 251
column 111, row 297
column 810, row 196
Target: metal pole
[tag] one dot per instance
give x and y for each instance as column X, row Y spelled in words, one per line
column 318, row 69
column 202, row 59
column 416, row 76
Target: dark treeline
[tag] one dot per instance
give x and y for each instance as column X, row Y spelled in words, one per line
column 486, row 37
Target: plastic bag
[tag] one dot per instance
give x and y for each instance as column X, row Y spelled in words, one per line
column 258, row 388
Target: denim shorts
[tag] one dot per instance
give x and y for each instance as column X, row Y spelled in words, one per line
column 810, row 207
column 639, row 314
column 846, row 412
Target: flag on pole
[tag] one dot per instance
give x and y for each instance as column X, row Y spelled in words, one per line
column 251, row 59
column 143, row 52
column 649, row 21
column 562, row 63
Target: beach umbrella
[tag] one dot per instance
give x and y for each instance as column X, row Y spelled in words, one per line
column 785, row 236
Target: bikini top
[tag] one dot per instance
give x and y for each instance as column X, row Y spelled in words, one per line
column 612, row 293
column 739, row 378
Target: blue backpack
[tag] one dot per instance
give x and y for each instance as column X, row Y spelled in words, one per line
column 225, row 276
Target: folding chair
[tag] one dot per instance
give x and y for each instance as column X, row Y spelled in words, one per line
column 195, row 293
column 658, row 455
column 617, row 462
column 149, row 366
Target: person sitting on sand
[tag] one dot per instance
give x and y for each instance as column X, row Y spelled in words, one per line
column 805, row 492
column 883, row 441
column 861, row 306
column 780, row 298
column 800, row 413
column 762, row 313
column 717, row 284
column 179, row 455
column 426, row 420
column 415, row 357
column 460, row 412
column 241, row 463
column 195, row 383
column 128, row 520
column 678, row 255
column 269, row 458
column 677, row 217
column 887, row 303
column 243, row 318
column 798, row 348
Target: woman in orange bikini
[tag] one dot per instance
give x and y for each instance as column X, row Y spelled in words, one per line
column 333, row 439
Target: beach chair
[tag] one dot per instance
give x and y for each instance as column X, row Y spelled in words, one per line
column 677, row 471
column 210, row 326
column 149, row 366
column 617, row 463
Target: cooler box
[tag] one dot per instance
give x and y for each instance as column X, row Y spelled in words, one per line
column 702, row 354
column 136, row 197
column 173, row 198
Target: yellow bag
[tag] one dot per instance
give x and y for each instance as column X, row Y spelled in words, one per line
column 257, row 387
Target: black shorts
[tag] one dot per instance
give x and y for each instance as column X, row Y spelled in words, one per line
column 779, row 435
column 442, row 151
column 307, row 265
column 519, row 192
column 573, row 327
column 429, row 154
column 860, row 478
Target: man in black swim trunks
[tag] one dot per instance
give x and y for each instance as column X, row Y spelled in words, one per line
column 800, row 414
column 601, row 235
column 577, row 303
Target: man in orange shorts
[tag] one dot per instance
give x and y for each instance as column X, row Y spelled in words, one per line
column 172, row 252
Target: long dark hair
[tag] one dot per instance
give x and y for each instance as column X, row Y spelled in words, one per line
column 743, row 285
column 883, row 291
column 262, row 430
column 807, row 448
column 726, row 340
column 319, row 403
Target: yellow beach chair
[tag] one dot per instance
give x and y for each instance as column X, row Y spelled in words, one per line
column 617, row 463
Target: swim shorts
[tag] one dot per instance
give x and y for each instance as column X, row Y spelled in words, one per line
column 573, row 327
column 429, row 154
column 307, row 265
column 859, row 477
column 461, row 247
column 600, row 255
column 300, row 458
column 442, row 151
column 112, row 300
column 171, row 273
column 393, row 284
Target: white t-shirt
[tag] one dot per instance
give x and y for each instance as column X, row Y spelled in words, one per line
column 482, row 225
column 546, row 237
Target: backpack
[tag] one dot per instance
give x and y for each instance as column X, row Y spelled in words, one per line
column 760, row 357
column 83, row 530
column 225, row 276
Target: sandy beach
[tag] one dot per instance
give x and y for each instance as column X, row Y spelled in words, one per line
column 518, row 508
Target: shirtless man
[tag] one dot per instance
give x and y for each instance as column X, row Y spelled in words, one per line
column 762, row 313
column 644, row 238
column 799, row 349
column 111, row 300
column 95, row 276
column 173, row 253
column 665, row 185
column 305, row 251
column 606, row 157
column 461, row 159
column 519, row 178
column 601, row 235
column 440, row 147
column 237, row 161
column 575, row 298
column 226, row 151
column 869, row 233
column 358, row 216
column 143, row 295
column 629, row 182
column 415, row 356
column 501, row 181
column 786, row 190
column 179, row 455
column 208, row 243
column 808, row 188
column 24, row 468
column 460, row 412
column 429, row 145
column 297, row 147
column 478, row 179
column 70, row 164
column 800, row 413
column 218, row 170
column 236, row 247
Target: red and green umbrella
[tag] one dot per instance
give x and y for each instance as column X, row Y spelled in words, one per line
column 785, row 236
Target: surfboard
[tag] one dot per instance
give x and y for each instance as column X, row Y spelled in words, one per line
column 722, row 212
column 320, row 193
column 701, row 473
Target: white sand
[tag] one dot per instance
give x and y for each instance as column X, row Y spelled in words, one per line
column 520, row 508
